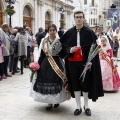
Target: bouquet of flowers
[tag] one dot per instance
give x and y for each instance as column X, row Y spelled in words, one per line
column 34, row 66
column 92, row 53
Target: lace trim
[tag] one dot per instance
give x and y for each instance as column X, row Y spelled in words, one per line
column 47, row 88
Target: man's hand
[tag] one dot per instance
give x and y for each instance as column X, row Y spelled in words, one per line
column 88, row 66
column 74, row 49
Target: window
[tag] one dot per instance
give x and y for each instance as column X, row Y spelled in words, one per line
column 26, row 11
column 47, row 16
column 85, row 2
column 92, row 2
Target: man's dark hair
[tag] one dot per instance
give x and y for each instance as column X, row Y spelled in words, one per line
column 78, row 12
column 21, row 30
column 60, row 28
column 40, row 29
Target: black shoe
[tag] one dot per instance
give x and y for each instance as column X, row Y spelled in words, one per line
column 87, row 111
column 17, row 71
column 78, row 112
column 56, row 105
column 49, row 107
column 21, row 73
column 13, row 73
column 18, row 68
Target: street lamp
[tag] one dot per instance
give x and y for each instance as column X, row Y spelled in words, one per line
column 10, row 7
column 62, row 22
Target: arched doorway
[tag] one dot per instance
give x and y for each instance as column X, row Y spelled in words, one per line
column 47, row 19
column 27, row 21
column 1, row 19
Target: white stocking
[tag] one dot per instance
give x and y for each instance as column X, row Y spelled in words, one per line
column 85, row 95
column 77, row 98
column 116, row 60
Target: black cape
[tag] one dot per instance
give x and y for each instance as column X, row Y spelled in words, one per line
column 87, row 37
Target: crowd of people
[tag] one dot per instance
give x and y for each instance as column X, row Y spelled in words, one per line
column 16, row 44
column 62, row 57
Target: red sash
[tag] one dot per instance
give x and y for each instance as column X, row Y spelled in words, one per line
column 77, row 56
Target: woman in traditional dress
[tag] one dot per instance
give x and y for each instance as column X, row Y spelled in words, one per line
column 48, row 86
column 110, row 77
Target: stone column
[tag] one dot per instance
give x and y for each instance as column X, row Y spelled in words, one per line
column 36, row 15
column 41, row 14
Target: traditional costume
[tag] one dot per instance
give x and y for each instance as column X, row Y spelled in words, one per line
column 110, row 77
column 48, row 86
column 75, row 62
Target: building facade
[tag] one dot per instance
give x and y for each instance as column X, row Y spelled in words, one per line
column 95, row 11
column 38, row 13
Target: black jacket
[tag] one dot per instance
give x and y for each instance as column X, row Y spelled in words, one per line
column 87, row 37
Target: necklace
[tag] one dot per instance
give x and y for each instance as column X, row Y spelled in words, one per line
column 50, row 40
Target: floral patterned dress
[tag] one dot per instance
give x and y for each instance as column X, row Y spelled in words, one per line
column 110, row 79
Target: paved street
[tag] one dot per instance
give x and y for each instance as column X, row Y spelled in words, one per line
column 16, row 104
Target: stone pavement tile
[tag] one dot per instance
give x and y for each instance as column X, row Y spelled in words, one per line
column 13, row 112
column 54, row 114
column 9, row 118
column 16, row 104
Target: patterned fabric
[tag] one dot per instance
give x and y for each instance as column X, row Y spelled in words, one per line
column 110, row 79
column 47, row 87
column 51, row 99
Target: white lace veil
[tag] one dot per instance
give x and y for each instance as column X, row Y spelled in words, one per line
column 108, row 46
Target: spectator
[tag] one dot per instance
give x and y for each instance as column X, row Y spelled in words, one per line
column 6, row 41
column 13, row 65
column 40, row 35
column 29, row 45
column 60, row 32
column 22, row 39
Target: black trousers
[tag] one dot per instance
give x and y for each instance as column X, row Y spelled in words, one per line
column 75, row 70
column 22, row 62
column 15, row 64
column 5, row 64
column 1, row 69
column 27, row 61
column 11, row 62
